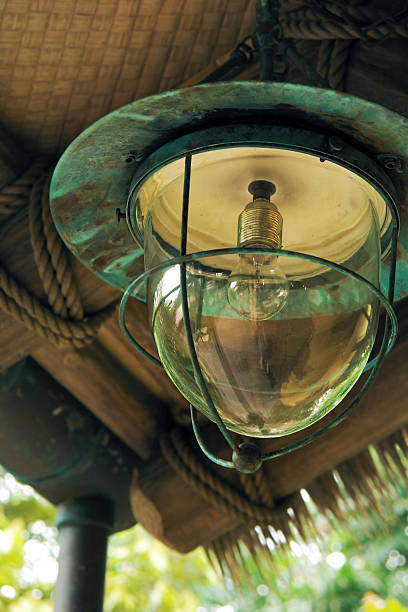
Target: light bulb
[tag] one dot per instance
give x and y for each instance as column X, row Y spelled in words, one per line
column 257, row 288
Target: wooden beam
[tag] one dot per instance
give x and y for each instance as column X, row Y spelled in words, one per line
column 167, row 506
column 172, row 511
column 116, row 394
column 116, row 397
column 16, row 341
column 154, row 377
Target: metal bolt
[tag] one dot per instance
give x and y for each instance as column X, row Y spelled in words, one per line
column 247, row 458
column 120, row 215
column 336, row 144
column 133, row 156
column 261, row 189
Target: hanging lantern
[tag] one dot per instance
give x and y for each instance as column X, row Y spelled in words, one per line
column 271, row 319
column 264, row 213
column 279, row 339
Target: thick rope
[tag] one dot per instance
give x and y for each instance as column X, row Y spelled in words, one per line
column 337, row 25
column 63, row 323
column 27, row 309
column 257, row 487
column 51, row 257
column 332, row 61
column 210, row 486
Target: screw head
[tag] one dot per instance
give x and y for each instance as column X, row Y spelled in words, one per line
column 120, row 215
column 393, row 163
column 336, row 144
column 261, row 189
column 247, row 458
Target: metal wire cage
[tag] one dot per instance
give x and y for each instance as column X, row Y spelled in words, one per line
column 247, row 457
column 96, row 170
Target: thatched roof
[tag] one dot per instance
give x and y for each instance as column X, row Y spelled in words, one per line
column 64, row 65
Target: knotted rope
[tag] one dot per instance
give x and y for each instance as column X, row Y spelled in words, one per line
column 337, row 26
column 62, row 322
column 50, row 255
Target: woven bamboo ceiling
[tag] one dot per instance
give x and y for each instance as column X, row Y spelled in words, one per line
column 65, row 63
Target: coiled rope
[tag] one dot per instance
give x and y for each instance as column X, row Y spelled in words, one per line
column 338, row 25
column 62, row 322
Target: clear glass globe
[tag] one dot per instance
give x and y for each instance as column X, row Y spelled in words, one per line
column 278, row 350
column 273, row 376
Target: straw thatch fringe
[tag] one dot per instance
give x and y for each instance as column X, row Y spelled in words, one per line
column 358, row 495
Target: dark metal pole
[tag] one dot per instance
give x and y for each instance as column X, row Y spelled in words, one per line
column 84, row 524
column 242, row 55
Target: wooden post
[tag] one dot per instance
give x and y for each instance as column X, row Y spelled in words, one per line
column 119, row 399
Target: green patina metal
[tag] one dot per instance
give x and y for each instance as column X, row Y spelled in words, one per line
column 93, row 177
column 61, row 448
column 97, row 172
column 313, row 143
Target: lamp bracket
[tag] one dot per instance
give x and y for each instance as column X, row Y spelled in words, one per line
column 275, row 51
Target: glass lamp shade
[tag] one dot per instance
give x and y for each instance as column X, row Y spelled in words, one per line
column 280, row 340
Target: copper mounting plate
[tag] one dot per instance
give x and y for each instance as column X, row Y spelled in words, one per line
column 93, row 176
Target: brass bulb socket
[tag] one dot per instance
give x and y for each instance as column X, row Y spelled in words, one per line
column 260, row 225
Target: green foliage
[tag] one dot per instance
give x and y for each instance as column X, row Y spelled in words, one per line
column 373, row 603
column 26, row 538
column 145, row 576
column 142, row 575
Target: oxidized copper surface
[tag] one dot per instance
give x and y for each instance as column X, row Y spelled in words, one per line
column 93, row 176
